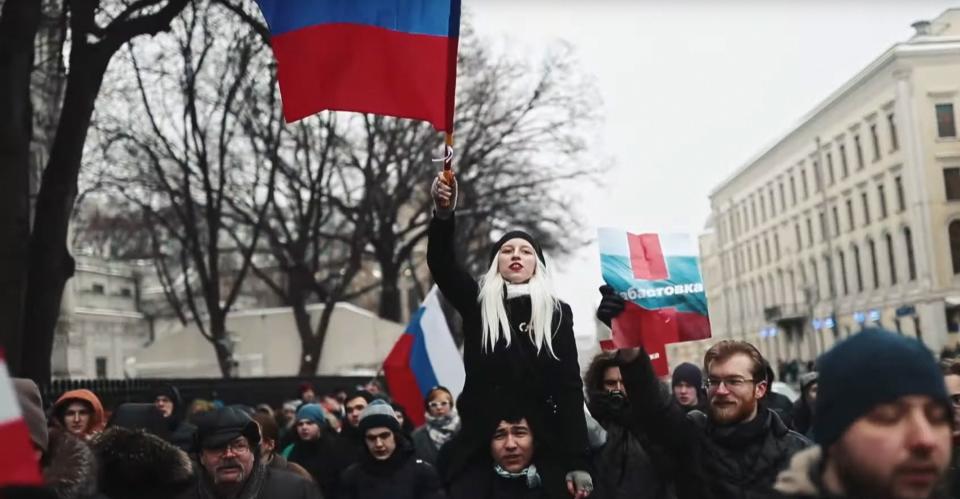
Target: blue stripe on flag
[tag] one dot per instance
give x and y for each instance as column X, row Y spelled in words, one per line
column 422, row 17
column 419, row 359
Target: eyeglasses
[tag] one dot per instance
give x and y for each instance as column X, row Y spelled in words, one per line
column 238, row 448
column 732, row 383
column 437, row 404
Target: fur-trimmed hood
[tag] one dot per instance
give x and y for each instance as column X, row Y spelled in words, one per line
column 138, row 465
column 70, row 468
column 797, row 479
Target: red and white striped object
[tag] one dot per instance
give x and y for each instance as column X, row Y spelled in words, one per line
column 18, row 463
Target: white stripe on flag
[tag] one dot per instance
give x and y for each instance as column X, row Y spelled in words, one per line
column 444, row 357
column 9, row 406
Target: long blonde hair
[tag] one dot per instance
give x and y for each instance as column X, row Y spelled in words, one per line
column 493, row 313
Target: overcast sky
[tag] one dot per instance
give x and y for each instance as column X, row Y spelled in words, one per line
column 692, row 89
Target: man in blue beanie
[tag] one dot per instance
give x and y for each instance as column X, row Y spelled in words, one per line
column 319, row 451
column 883, row 425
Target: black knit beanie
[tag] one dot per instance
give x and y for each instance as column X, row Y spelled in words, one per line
column 513, row 234
column 689, row 373
column 867, row 369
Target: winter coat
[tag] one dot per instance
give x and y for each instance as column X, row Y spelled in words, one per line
column 719, row 462
column 325, row 459
column 97, row 418
column 803, row 479
column 479, row 481
column 135, row 464
column 181, row 431
column 279, row 462
column 552, row 386
column 781, row 405
column 402, row 476
column 263, row 483
column 422, row 445
column 70, row 467
column 629, row 465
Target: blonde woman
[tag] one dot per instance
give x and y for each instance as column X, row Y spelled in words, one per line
column 518, row 348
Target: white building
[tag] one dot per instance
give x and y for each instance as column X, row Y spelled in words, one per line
column 853, row 217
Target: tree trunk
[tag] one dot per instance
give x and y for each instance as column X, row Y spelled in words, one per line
column 50, row 264
column 314, row 345
column 390, row 304
column 19, row 22
column 226, row 358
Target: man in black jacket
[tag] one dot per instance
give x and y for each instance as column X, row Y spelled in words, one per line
column 168, row 400
column 388, row 469
column 628, row 464
column 737, row 448
column 883, row 425
column 226, row 444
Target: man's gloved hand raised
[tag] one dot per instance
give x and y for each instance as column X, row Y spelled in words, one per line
column 611, row 305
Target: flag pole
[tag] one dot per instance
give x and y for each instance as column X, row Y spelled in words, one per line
column 447, row 175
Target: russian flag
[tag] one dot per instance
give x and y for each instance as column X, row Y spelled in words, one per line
column 18, row 466
column 424, row 356
column 659, row 276
column 391, row 57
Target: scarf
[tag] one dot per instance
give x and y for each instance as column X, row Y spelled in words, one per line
column 740, row 435
column 529, row 474
column 517, row 290
column 442, row 429
column 250, row 490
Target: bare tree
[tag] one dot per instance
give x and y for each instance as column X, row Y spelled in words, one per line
column 185, row 130
column 96, row 32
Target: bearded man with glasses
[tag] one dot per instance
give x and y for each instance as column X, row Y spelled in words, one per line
column 737, row 448
column 227, row 448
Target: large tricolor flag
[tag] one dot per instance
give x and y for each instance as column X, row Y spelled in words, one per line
column 391, row 57
column 18, row 466
column 659, row 277
column 425, row 356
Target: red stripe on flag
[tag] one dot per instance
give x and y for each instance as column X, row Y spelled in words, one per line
column 18, row 465
column 646, row 257
column 351, row 67
column 401, row 380
column 652, row 329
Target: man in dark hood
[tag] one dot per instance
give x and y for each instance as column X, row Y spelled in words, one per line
column 687, row 386
column 777, row 402
column 167, row 399
column 388, row 467
column 627, row 463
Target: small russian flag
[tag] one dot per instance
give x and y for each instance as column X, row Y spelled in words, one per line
column 18, row 466
column 424, row 356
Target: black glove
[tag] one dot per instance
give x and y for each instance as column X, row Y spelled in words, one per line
column 610, row 305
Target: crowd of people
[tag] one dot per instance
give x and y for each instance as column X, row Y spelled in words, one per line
column 877, row 418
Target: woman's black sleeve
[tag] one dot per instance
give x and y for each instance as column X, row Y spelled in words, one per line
column 570, row 395
column 454, row 282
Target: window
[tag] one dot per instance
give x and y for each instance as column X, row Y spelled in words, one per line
column 875, row 139
column 773, row 203
column 101, row 363
column 916, row 327
column 815, row 275
column 911, row 262
column 843, row 271
column 836, row 221
column 759, row 255
column 891, row 259
column 793, row 191
column 850, row 214
column 809, row 231
column 901, row 204
column 823, row 226
column 97, row 289
column 831, row 282
column 873, row 262
column 830, row 175
column 866, row 208
column 844, row 168
column 763, row 209
column 859, row 151
column 799, row 241
column 955, row 245
column 883, row 201
column 753, row 211
column 817, row 177
column 946, row 128
column 776, row 244
column 892, row 125
column 750, row 256
column 783, row 199
column 856, row 267
column 803, row 179
column 951, row 180
column 766, row 249
column 126, row 293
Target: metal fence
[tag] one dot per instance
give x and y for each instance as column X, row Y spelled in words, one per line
column 248, row 391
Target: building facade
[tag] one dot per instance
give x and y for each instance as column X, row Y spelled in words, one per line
column 852, row 219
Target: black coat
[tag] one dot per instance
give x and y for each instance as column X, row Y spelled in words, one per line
column 740, row 462
column 629, row 465
column 551, row 386
column 277, row 484
column 423, row 446
column 403, row 476
column 478, row 481
column 324, row 459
